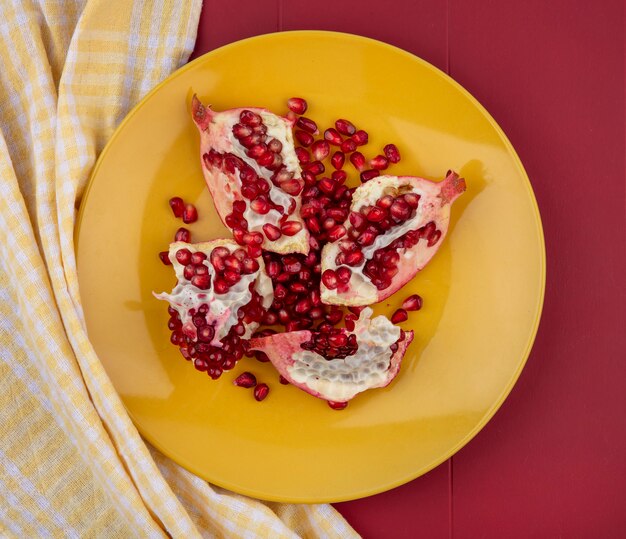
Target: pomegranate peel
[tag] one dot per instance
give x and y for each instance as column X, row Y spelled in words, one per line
column 248, row 163
column 375, row 362
column 398, row 224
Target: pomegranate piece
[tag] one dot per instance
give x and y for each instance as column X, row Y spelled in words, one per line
column 182, row 234
column 252, row 170
column 392, row 153
column 336, row 364
column 220, row 298
column 297, row 105
column 396, row 225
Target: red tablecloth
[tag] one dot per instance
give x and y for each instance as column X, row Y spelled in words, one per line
column 551, row 462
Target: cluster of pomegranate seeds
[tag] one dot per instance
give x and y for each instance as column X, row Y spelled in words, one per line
column 187, row 212
column 248, row 380
column 332, row 343
column 213, row 360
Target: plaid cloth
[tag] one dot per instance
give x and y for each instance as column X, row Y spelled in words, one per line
column 71, row 462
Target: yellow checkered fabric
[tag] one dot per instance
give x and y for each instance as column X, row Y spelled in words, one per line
column 71, row 462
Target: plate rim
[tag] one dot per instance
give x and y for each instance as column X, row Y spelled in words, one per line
column 362, row 493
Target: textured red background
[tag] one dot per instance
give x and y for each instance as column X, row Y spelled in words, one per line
column 551, row 463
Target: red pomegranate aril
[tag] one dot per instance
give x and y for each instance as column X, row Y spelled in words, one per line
column 182, row 234
column 177, row 205
column 345, row 127
column 349, row 321
column 250, row 140
column 368, row 175
column 247, row 117
column 292, row 264
column 428, row 230
column 320, row 150
column 303, row 306
column 261, row 391
column 385, row 202
column 250, row 265
column 328, row 223
column 197, row 258
column 380, row 162
column 316, row 313
column 163, row 255
column 266, row 159
column 343, row 274
column 239, row 206
column 183, row 256
column 292, row 187
column 220, row 286
column 333, row 137
column 329, row 278
column 303, row 156
column 189, row 271
column 275, row 145
column 356, row 309
column 190, row 214
column 283, row 380
column 366, row 239
column 257, row 150
column 315, row 167
column 297, row 105
column 357, row 220
column 245, row 379
column 434, row 238
column 201, row 281
column 272, row 232
column 348, row 146
column 304, row 138
column 399, row 316
column 392, row 153
column 360, row 137
column 337, row 232
column 231, row 277
column 260, row 205
column 338, row 159
column 338, row 214
column 337, row 405
column 308, row 125
column 334, row 316
column 400, row 210
column 316, row 298
column 327, row 185
column 376, row 214
column 313, row 225
column 358, row 160
column 291, row 228
column 338, row 340
column 412, row 303
column 240, row 130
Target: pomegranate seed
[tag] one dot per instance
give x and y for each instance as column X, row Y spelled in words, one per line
column 190, row 214
column 356, row 310
column 250, row 265
column 308, row 177
column 283, row 380
column 344, row 274
column 260, row 205
column 245, row 379
column 316, row 313
column 292, row 187
column 320, row 150
column 303, row 306
column 197, row 258
column 177, row 205
column 337, row 405
column 332, row 136
column 400, row 210
column 379, row 162
column 434, row 238
column 399, row 316
column 304, row 138
column 348, row 146
column 336, row 233
column 303, row 156
column 338, row 159
column 368, row 175
column 334, row 316
column 272, row 232
column 329, row 278
column 392, row 153
column 412, row 199
column 345, row 127
column 292, row 264
column 376, row 214
column 183, row 256
column 338, row 340
column 308, row 125
column 257, row 150
column 412, row 303
column 360, row 137
column 349, row 321
column 201, row 281
column 357, row 220
column 272, row 268
column 241, row 131
column 297, row 105
column 266, row 159
column 358, row 160
column 275, row 145
column 220, row 287
column 164, row 256
column 291, row 228
column 313, row 225
column 316, row 167
column 182, row 234
column 247, row 117
column 261, row 391
column 366, row 238
column 328, row 223
column 327, row 185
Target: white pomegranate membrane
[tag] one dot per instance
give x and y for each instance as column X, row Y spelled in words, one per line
column 336, row 365
column 219, row 300
column 252, row 171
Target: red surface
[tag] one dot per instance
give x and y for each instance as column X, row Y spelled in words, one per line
column 551, row 463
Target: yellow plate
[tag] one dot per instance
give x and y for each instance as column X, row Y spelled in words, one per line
column 482, row 293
